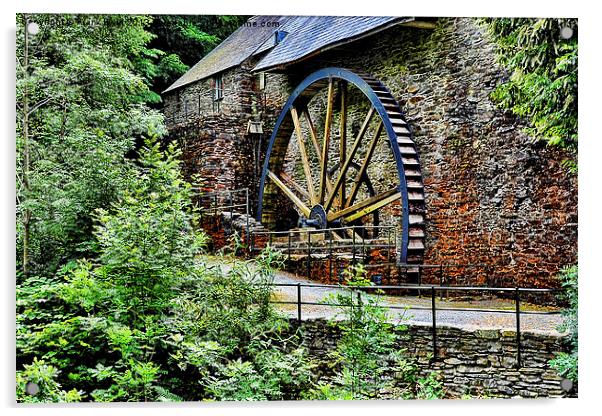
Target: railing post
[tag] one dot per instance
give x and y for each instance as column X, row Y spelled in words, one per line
column 364, row 247
column 433, row 311
column 330, row 255
column 353, row 243
column 441, row 279
column 299, row 302
column 289, row 247
column 247, row 216
column 308, row 254
column 518, row 347
column 388, row 245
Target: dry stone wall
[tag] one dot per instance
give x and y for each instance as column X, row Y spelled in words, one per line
column 479, row 362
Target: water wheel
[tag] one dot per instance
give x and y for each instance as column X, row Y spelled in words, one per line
column 334, row 186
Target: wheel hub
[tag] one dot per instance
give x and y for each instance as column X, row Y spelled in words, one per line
column 317, row 218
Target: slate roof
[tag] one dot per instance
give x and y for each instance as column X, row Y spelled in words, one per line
column 306, row 35
column 232, row 51
column 311, row 34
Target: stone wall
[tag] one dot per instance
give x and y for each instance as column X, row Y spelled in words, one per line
column 479, row 362
column 213, row 134
column 494, row 197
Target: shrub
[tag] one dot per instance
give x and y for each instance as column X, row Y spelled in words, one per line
column 44, row 376
column 232, row 340
column 567, row 363
column 146, row 241
column 367, row 356
column 99, row 324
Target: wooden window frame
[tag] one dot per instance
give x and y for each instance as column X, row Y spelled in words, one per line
column 218, row 87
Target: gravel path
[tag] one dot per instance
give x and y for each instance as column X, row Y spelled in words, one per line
column 410, row 307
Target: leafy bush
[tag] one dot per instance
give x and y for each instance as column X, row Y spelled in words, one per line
column 147, row 241
column 542, row 86
column 367, row 355
column 567, row 363
column 271, row 374
column 232, row 340
column 44, row 376
column 100, row 324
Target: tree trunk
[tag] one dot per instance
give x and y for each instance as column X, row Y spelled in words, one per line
column 27, row 214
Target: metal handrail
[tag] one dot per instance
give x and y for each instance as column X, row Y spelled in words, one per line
column 433, row 308
column 414, row 287
column 308, row 248
column 212, row 196
column 314, row 231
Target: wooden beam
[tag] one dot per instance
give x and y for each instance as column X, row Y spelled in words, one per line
column 312, row 134
column 350, row 157
column 302, row 207
column 361, row 205
column 291, row 182
column 326, row 142
column 374, row 207
column 342, row 138
column 314, row 139
column 364, row 167
column 420, row 24
column 304, row 158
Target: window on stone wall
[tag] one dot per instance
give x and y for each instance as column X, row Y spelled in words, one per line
column 261, row 79
column 218, row 87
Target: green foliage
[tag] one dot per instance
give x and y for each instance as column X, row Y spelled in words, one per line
column 367, row 354
column 247, row 352
column 272, row 374
column 100, row 324
column 430, row 387
column 135, row 382
column 147, row 241
column 112, row 327
column 44, row 376
column 567, row 363
column 84, row 114
column 186, row 39
column 542, row 87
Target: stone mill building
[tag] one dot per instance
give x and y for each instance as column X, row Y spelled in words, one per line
column 489, row 194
